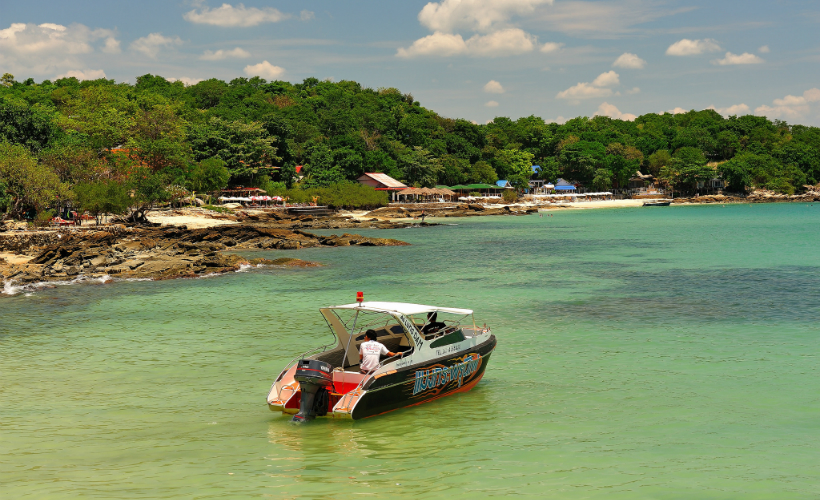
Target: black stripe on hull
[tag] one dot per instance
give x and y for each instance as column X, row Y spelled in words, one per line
column 423, row 383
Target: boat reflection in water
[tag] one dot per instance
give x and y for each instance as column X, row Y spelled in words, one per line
column 435, row 356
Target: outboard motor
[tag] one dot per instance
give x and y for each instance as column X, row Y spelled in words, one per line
column 314, row 377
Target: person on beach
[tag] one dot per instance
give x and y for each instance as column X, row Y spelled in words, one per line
column 423, row 215
column 370, row 353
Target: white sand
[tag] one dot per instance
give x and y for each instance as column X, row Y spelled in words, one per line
column 13, row 258
column 192, row 221
column 599, row 204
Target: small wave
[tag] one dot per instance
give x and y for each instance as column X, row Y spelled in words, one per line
column 9, row 288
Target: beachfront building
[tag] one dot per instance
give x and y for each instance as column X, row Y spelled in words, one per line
column 641, row 183
column 382, row 182
column 562, row 186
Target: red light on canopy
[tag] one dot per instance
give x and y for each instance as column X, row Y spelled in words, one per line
column 360, row 297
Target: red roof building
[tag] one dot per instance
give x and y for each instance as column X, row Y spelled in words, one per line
column 382, row 182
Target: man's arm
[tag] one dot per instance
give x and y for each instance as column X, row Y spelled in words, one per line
column 389, row 354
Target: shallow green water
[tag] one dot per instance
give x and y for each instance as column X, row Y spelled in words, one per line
column 643, row 353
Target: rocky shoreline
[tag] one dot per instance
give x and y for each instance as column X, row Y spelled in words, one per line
column 156, row 252
column 755, row 197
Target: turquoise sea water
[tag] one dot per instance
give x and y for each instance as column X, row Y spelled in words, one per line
column 643, row 353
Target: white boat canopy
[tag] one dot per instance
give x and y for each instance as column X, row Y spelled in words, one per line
column 401, row 307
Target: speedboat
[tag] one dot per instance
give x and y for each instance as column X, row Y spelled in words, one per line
column 657, row 203
column 435, row 355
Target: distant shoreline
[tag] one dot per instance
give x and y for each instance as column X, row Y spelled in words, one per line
column 192, row 242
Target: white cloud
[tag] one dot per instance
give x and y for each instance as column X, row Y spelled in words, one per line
column 474, row 15
column 220, row 54
column 607, row 79
column 265, row 70
column 88, row 74
column 629, row 60
column 151, row 45
column 583, row 90
column 48, row 49
column 500, row 43
column 634, row 90
column 493, row 87
column 792, row 107
column 678, row 110
column 503, row 42
column 744, row 58
column 240, row 16
column 737, row 109
column 47, row 39
column 613, row 112
column 438, row 44
column 491, row 104
column 596, row 89
column 764, row 49
column 560, row 120
column 688, row 47
column 488, row 20
column 791, row 112
column 306, row 15
column 112, row 46
column 551, row 47
column 185, row 80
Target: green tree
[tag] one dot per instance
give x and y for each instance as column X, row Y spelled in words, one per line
column 209, row 175
column 623, row 162
column 550, row 169
column 7, row 80
column 74, row 163
column 517, row 166
column 380, row 161
column 420, row 167
column 147, row 188
column 736, row 173
column 32, row 127
column 686, row 169
column 102, row 112
column 602, row 180
column 658, row 160
column 321, row 169
column 28, row 185
column 482, row 172
column 579, row 160
column 5, row 199
column 102, row 197
column 246, row 148
column 158, row 138
column 454, row 170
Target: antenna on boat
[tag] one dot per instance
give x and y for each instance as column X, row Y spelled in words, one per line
column 359, row 299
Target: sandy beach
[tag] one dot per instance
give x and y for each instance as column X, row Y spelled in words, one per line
column 594, row 204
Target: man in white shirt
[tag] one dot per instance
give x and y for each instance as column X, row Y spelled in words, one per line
column 370, row 353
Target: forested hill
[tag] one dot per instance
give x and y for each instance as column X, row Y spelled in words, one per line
column 261, row 130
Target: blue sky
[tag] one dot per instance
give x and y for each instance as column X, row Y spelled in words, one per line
column 473, row 59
